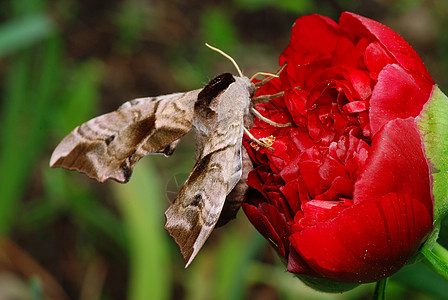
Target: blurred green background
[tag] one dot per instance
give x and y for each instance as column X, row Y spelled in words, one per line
column 65, row 236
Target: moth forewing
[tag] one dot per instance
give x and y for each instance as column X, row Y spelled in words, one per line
column 110, row 145
column 218, row 122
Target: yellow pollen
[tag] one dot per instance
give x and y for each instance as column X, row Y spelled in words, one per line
column 268, row 141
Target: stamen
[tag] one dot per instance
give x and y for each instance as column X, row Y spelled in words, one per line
column 269, row 140
column 228, row 57
column 247, row 132
column 261, row 117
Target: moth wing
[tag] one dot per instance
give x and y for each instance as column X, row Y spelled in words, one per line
column 196, row 210
column 236, row 197
column 219, row 116
column 110, row 145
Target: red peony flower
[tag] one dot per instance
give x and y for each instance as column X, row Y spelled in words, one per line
column 346, row 195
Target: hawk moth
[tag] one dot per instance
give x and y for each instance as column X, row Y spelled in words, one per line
column 109, row 146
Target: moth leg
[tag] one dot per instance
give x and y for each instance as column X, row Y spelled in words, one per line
column 262, row 144
column 261, row 117
column 266, row 98
column 258, row 84
column 269, row 75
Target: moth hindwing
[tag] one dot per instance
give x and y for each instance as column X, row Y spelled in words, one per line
column 109, row 146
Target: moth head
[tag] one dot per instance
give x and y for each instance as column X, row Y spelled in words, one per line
column 252, row 87
column 216, row 86
column 221, row 82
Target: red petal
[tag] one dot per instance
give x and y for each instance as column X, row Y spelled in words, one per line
column 301, row 140
column 392, row 41
column 340, row 187
column 376, row 58
column 295, row 100
column 297, row 265
column 317, row 211
column 357, row 106
column 273, row 86
column 315, row 184
column 270, row 223
column 291, row 192
column 312, row 33
column 346, row 54
column 368, row 241
column 397, row 94
column 396, row 164
column 275, row 110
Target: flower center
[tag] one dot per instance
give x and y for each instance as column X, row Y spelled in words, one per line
column 339, row 129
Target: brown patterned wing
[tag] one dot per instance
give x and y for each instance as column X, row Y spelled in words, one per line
column 110, row 145
column 236, row 197
column 218, row 122
column 196, row 210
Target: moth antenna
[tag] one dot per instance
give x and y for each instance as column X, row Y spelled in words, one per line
column 228, row 57
column 270, row 122
column 263, row 73
column 250, row 135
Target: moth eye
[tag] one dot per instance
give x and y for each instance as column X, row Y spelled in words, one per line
column 197, row 200
column 110, row 139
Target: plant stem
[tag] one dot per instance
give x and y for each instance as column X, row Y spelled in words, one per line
column 380, row 290
column 437, row 259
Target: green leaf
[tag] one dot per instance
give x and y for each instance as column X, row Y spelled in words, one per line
column 294, row 5
column 235, row 254
column 32, row 83
column 433, row 125
column 218, row 29
column 419, row 278
column 36, row 290
column 22, row 32
column 285, row 5
column 65, row 193
column 140, row 201
column 132, row 20
column 81, row 96
column 326, row 285
column 11, row 182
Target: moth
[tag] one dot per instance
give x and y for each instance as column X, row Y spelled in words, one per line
column 109, row 146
